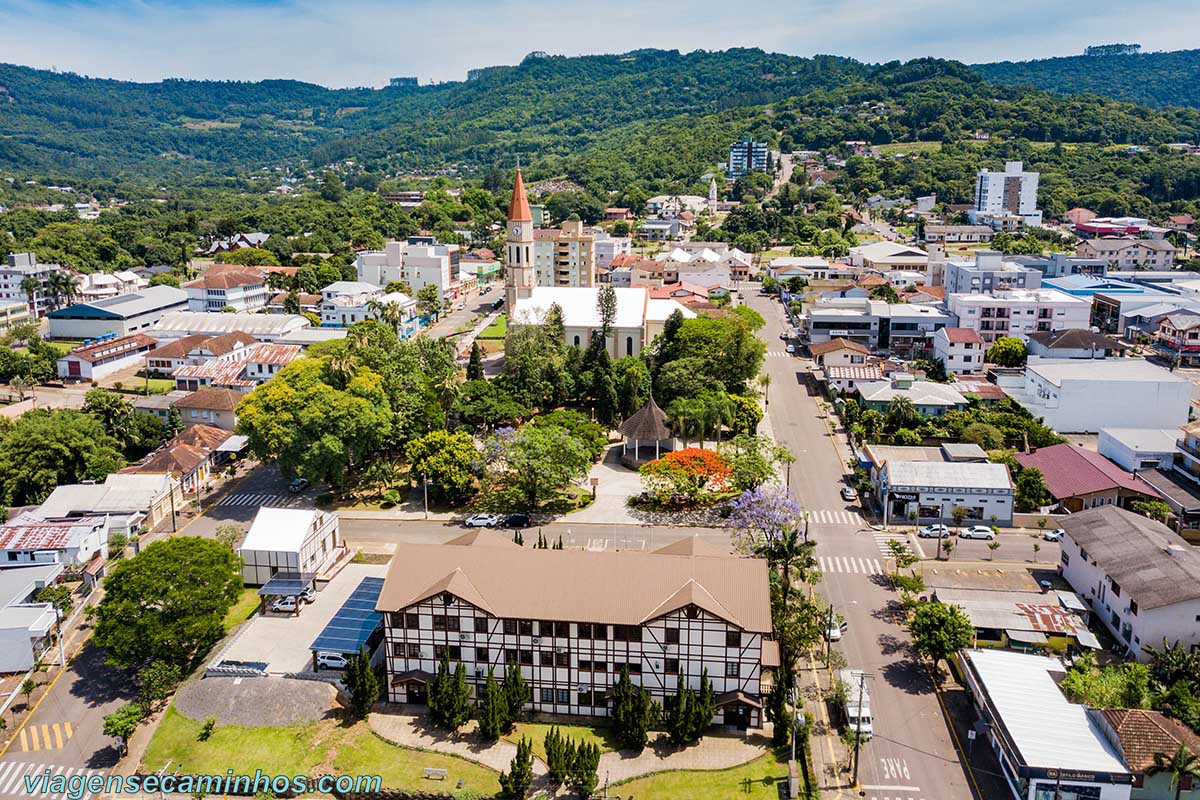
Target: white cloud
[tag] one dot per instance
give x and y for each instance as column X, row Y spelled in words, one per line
column 365, row 42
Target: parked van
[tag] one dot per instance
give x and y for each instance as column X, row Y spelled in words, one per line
column 858, row 702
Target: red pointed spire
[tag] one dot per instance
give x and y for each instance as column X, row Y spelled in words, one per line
column 518, row 210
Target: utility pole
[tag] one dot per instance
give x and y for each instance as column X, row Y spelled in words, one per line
column 862, row 679
column 62, row 655
column 425, row 486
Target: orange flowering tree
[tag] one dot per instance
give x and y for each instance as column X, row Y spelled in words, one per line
column 686, row 475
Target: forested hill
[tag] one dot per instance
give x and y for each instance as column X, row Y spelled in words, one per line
column 1151, row 79
column 53, row 121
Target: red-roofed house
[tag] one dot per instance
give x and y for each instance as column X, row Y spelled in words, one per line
column 959, row 349
column 239, row 289
column 94, row 361
column 1079, row 479
column 29, row 539
column 190, row 456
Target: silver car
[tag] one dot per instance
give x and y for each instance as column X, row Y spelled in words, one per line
column 937, row 531
column 977, row 532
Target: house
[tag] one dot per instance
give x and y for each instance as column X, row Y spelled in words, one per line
column 196, row 349
column 1124, row 252
column 30, row 538
column 659, row 230
column 847, row 379
column 1178, row 338
column 190, row 456
column 1139, row 735
column 1139, row 449
column 1083, row 396
column 1079, row 479
column 211, row 405
column 235, row 242
column 305, row 303
column 1141, row 580
column 290, row 540
column 1045, row 744
column 886, row 256
column 122, row 315
column 574, row 619
column 132, row 502
column 241, row 370
column 264, row 327
column 91, row 362
column 27, row 627
column 1073, row 343
column 839, row 353
column 99, row 285
column 783, row 268
column 1180, row 222
column 687, row 294
column 928, row 398
column 343, row 303
column 959, row 349
column 959, row 234
column 900, row 328
column 157, row 405
column 1078, row 215
column 614, row 214
column 241, row 290
column 638, row 320
column 1023, row 620
column 628, row 272
column 607, row 247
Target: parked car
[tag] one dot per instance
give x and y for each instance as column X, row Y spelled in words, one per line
column 784, row 336
column 331, row 660
column 977, row 532
column 936, row 531
column 848, row 494
column 518, row 520
column 482, row 521
column 284, row 604
column 791, row 348
column 298, row 485
column 309, row 594
column 1054, row 535
column 834, row 632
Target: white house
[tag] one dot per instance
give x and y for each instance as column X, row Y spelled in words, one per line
column 241, row 290
column 130, row 501
column 1140, row 578
column 295, row 540
column 92, row 362
column 886, row 256
column 1083, row 396
column 1019, row 312
column 26, row 626
column 344, row 303
column 29, row 538
column 99, row 285
column 959, row 349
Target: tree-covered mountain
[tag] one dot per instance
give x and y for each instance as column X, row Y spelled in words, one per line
column 1151, row 79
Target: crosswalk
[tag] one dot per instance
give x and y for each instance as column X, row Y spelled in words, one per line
column 780, row 354
column 834, row 516
column 13, row 774
column 51, row 736
column 850, row 565
column 269, row 500
column 882, row 539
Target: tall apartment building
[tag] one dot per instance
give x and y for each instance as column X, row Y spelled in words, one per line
column 1019, row 312
column 608, row 247
column 19, row 267
column 1011, row 193
column 564, row 256
column 747, row 156
column 419, row 261
column 990, row 272
column 573, row 619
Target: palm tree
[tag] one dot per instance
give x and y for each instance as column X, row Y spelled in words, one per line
column 342, row 366
column 718, row 412
column 789, row 552
column 1182, row 764
column 62, row 286
column 30, row 286
column 764, row 381
column 902, row 413
column 686, row 418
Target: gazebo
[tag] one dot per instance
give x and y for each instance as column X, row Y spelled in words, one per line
column 648, row 423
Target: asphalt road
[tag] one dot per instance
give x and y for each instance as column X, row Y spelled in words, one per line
column 911, row 753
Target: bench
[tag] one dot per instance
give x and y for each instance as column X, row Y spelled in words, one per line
column 436, row 774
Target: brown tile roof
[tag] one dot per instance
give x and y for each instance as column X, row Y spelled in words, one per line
column 1071, row 471
column 869, row 281
column 985, row 390
column 611, row 587
column 834, row 345
column 212, row 398
column 1143, row 733
column 933, row 291
column 227, row 343
column 963, row 336
column 181, row 347
column 648, row 423
column 113, row 348
column 225, row 279
column 186, row 451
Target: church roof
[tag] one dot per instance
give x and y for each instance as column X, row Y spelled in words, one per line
column 518, row 210
column 649, row 423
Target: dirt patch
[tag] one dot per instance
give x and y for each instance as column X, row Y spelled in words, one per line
column 260, row 702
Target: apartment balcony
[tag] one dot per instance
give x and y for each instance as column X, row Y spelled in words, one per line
column 1191, row 451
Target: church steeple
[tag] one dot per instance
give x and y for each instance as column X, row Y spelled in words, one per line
column 520, row 275
column 518, row 209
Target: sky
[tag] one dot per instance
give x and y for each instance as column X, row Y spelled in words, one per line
column 341, row 43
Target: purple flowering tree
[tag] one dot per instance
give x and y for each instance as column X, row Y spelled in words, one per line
column 769, row 523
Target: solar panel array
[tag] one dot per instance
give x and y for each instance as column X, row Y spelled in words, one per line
column 354, row 622
column 286, row 584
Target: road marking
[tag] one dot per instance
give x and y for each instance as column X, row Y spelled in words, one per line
column 67, row 727
column 270, row 500
column 836, row 565
column 13, row 775
column 825, row 516
column 891, row 788
column 896, row 768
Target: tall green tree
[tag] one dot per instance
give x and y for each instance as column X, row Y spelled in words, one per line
column 585, row 767
column 939, row 630
column 633, row 712
column 362, row 683
column 515, row 783
column 447, row 460
column 493, row 709
column 48, row 448
column 516, row 694
column 606, row 310
column 475, row 363
column 449, row 697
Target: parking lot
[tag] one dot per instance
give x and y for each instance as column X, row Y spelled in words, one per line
column 281, row 642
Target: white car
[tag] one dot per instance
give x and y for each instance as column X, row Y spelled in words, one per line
column 791, row 348
column 284, row 604
column 834, row 632
column 849, row 494
column 1054, row 535
column 937, row 531
column 977, row 532
column 308, row 594
column 482, row 521
column 331, row 660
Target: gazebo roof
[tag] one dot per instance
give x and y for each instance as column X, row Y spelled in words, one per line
column 648, row 423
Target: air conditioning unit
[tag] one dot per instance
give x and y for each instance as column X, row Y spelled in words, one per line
column 583, row 687
column 560, row 649
column 537, row 639
column 462, row 637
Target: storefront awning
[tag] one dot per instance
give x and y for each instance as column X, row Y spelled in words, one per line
column 234, row 444
column 1026, row 637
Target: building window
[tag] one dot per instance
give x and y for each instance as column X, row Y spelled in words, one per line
column 585, row 698
column 510, row 627
column 525, row 627
column 562, row 629
column 733, row 669
column 453, row 624
column 585, row 666
column 398, row 649
column 600, row 632
column 628, row 345
column 671, row 666
column 627, row 633
column 545, row 628
column 510, row 656
column 414, row 650
column 562, row 696
column 481, row 625
column 412, row 621
column 439, row 622
column 396, row 619
column 1133, row 607
column 526, row 656
column 672, row 635
column 440, row 651
column 733, row 638
column 546, row 659
column 577, row 341
column 599, row 666
column 585, row 630
column 547, row 695
column 481, row 655
column 1116, row 588
column 562, row 658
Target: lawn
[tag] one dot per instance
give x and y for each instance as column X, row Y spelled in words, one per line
column 242, row 610
column 909, row 147
column 758, row 779
column 601, row 736
column 318, row 747
column 496, row 330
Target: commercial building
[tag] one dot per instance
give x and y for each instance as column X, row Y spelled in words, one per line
column 1073, row 343
column 131, row 502
column 990, row 272
column 27, row 627
column 343, row 303
column 1140, row 579
column 901, row 328
column 1012, row 192
column 888, row 256
column 13, row 312
column 13, row 287
column 607, row 247
column 263, row 327
column 1083, row 396
column 931, row 482
column 92, row 362
column 241, row 290
column 1022, row 620
column 1121, row 252
column 1139, row 449
column 304, row 542
column 419, row 261
column 959, row 234
column 1078, row 478
column 1178, row 338
column 1061, row 265
column 121, row 315
column 565, row 256
column 928, row 398
column 745, row 157
column 191, row 456
column 1048, row 747
column 30, row 538
column 1018, row 312
column 574, row 619
column 959, row 349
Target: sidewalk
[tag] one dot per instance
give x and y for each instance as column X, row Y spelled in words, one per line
column 829, row 755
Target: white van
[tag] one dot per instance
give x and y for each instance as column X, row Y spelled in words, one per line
column 858, row 702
